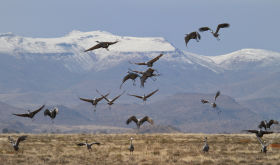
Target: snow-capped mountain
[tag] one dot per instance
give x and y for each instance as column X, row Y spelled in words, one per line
column 58, row 69
column 69, row 49
column 246, row 58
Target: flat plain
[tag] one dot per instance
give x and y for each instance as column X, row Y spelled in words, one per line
column 156, row 149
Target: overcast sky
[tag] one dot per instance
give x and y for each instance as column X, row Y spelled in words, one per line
column 254, row 23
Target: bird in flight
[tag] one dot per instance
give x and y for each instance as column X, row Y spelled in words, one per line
column 139, row 122
column 131, row 76
column 104, row 45
column 151, row 62
column 266, row 125
column 145, row 97
column 145, row 75
column 51, row 113
column 16, row 143
column 110, row 102
column 193, row 35
column 214, row 105
column 94, row 101
column 216, row 33
column 30, row 114
column 259, row 133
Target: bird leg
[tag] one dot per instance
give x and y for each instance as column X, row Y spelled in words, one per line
column 154, row 79
column 134, row 83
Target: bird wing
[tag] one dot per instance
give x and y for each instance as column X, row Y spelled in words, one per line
column 140, row 63
column 100, row 98
column 132, row 118
column 272, row 122
column 117, row 97
column 97, row 143
column 204, row 101
column 87, row 100
column 198, row 35
column 149, row 95
column 203, row 29
column 36, row 111
column 155, row 59
column 135, row 71
column 21, row 138
column 81, row 144
column 140, row 97
column 47, row 112
column 268, row 132
column 146, row 118
column 149, row 72
column 99, row 45
column 262, row 124
column 217, row 95
column 111, row 43
column 187, row 39
column 105, row 97
column 192, row 35
column 22, row 115
column 126, row 77
column 223, row 25
column 252, row 131
column 143, row 80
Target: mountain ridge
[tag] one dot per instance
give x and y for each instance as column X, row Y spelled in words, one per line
column 58, row 70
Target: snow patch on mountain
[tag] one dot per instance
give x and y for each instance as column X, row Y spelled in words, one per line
column 245, row 58
column 10, row 43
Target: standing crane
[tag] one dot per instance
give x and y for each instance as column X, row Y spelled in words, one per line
column 131, row 147
column 205, row 148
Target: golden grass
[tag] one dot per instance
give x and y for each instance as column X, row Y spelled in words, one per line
column 156, row 149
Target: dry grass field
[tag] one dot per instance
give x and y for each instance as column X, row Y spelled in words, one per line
column 156, row 149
